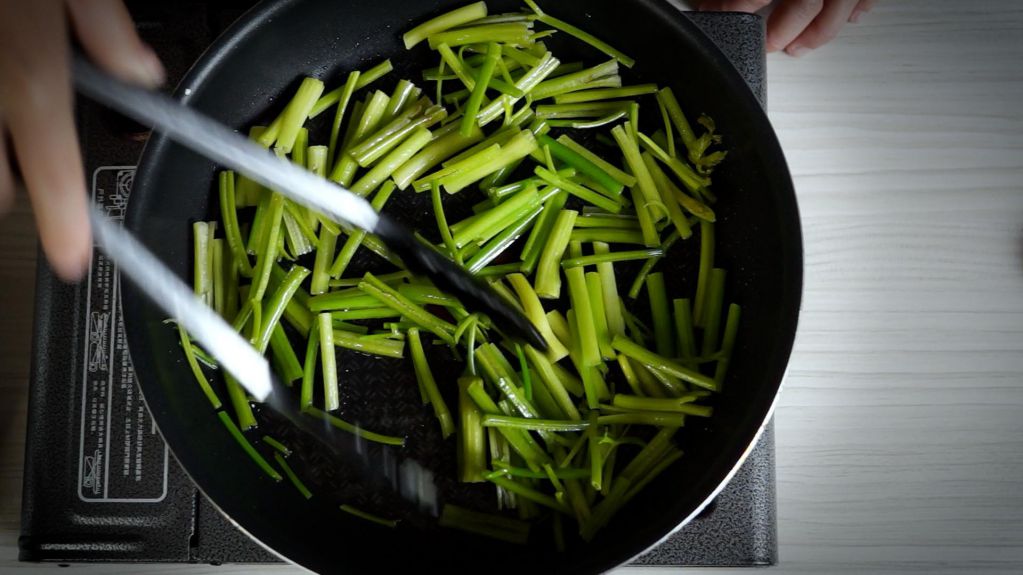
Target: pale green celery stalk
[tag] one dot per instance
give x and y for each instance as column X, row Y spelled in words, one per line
column 472, row 107
column 520, row 57
column 526, row 83
column 324, row 253
column 533, row 424
column 547, row 282
column 425, row 378
column 471, row 453
column 345, row 166
column 588, row 124
column 518, row 439
column 614, row 172
column 669, row 134
column 727, row 343
column 693, row 182
column 647, row 357
column 648, row 265
column 535, row 312
column 277, row 445
column 482, row 227
column 555, row 386
column 489, row 154
column 404, row 94
column 458, row 68
column 393, row 278
column 339, row 115
column 661, row 314
column 355, row 429
column 609, row 291
column 275, row 306
column 356, row 238
column 442, row 223
column 267, row 254
column 365, row 79
column 426, row 294
column 580, row 35
column 446, row 21
column 684, row 331
column 309, row 367
column 384, row 140
column 560, row 328
column 694, row 206
column 247, row 447
column 587, row 195
column 216, row 262
column 712, row 312
column 515, row 149
column 589, row 346
column 285, row 360
column 704, row 273
column 583, row 165
column 609, row 257
column 229, row 215
column 487, row 524
column 574, row 81
column 595, row 452
column 647, row 381
column 675, row 405
column 502, row 241
column 200, row 377
column 600, row 94
column 571, row 383
column 655, row 418
column 609, row 235
column 645, row 183
column 202, row 273
column 392, row 299
column 394, row 349
column 517, row 33
column 593, row 286
column 648, row 229
column 667, row 99
column 541, row 232
column 581, row 110
column 230, row 280
column 434, row 153
column 365, row 313
column 328, row 363
column 501, row 136
column 301, row 146
column 594, row 387
column 268, row 135
column 664, row 187
column 296, row 113
column 301, row 237
column 397, row 157
column 630, row 375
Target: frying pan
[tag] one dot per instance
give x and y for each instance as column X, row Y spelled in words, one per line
column 238, row 80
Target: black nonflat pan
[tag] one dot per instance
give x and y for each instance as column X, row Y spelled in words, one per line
column 237, row 81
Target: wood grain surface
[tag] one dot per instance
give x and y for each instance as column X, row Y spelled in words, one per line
column 900, row 428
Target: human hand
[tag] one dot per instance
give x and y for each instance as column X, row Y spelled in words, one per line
column 36, row 110
column 797, row 26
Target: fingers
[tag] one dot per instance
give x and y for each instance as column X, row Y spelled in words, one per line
column 788, row 20
column 824, row 28
column 863, row 7
column 35, row 96
column 734, row 5
column 107, row 33
column 6, row 182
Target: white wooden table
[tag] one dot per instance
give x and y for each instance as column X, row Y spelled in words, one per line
column 900, row 430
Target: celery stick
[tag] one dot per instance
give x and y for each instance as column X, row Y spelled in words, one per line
column 704, row 274
column 727, row 343
column 541, row 232
column 339, row 115
column 533, row 424
column 331, row 400
column 583, row 193
column 471, row 456
column 356, row 238
column 601, row 94
column 526, row 83
column 502, row 241
column 535, row 312
column 267, row 254
column 667, row 191
column 580, row 299
column 683, row 405
column 581, row 35
column 684, row 331
column 365, row 79
column 200, row 377
column 309, row 367
column 644, row 182
column 345, row 166
column 647, row 357
column 472, row 107
column 389, row 163
column 292, row 477
column 324, row 255
column 661, row 314
column 516, row 33
column 547, row 281
column 296, row 113
column 599, row 316
column 583, row 165
column 368, row 344
column 712, row 311
column 609, row 235
column 608, row 257
column 515, row 149
column 574, row 81
column 392, row 299
column 425, row 378
column 435, row 152
column 355, row 429
column 618, row 175
column 229, row 215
